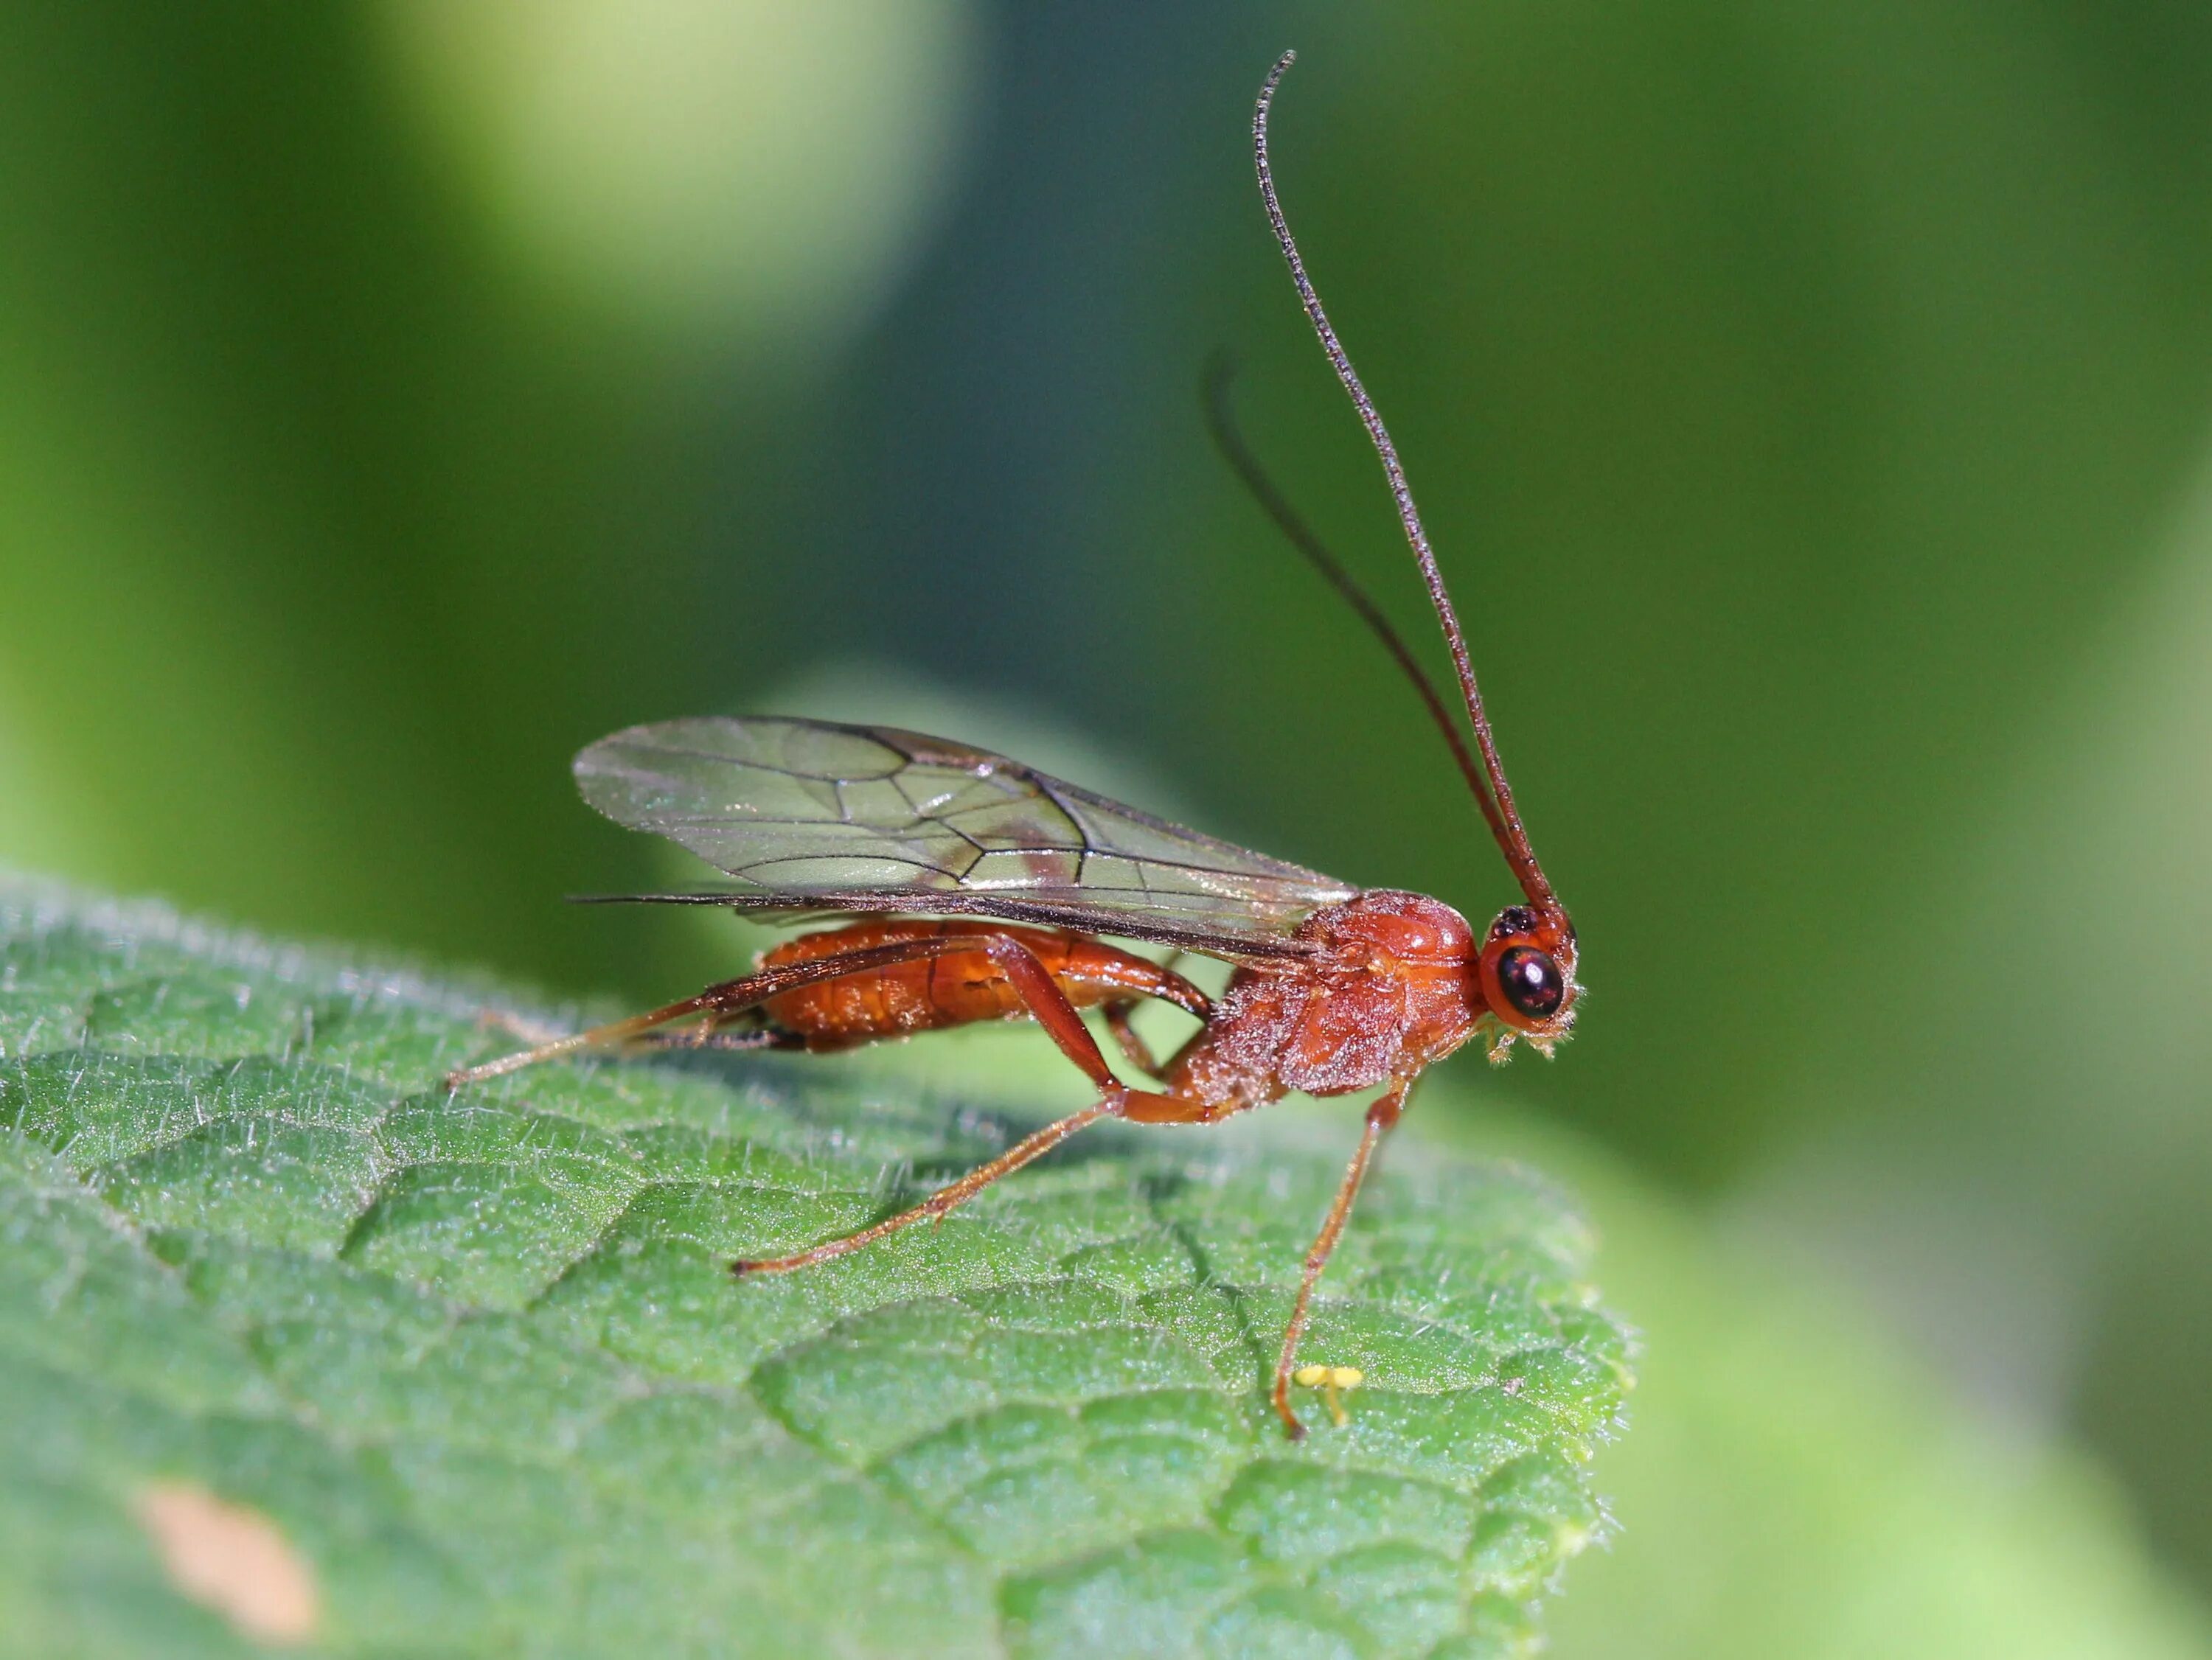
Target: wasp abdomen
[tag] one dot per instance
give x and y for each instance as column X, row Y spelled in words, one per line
column 956, row 989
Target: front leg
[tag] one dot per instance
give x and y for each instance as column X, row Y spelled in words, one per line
column 1380, row 1118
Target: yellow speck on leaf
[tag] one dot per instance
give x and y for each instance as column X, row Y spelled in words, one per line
column 1329, row 1380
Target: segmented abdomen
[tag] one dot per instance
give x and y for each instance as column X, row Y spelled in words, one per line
column 953, row 990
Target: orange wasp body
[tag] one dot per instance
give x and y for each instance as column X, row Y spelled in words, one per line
column 985, row 886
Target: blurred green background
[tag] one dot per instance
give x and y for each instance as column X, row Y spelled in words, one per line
column 1812, row 406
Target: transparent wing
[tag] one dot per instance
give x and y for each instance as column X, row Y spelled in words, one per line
column 811, row 814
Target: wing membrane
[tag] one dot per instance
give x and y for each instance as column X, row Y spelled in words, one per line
column 808, row 813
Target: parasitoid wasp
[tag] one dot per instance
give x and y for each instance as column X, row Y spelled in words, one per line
column 987, row 891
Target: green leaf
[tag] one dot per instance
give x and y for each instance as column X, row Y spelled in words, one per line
column 475, row 1367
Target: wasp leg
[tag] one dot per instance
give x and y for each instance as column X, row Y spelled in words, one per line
column 1134, row 1048
column 937, row 1203
column 1060, row 1019
column 1380, row 1117
column 706, row 1035
column 512, row 1024
column 715, row 1005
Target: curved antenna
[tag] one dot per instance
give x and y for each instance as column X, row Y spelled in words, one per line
column 1497, row 802
column 1221, row 423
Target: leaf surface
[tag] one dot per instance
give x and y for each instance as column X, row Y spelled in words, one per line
column 478, row 1361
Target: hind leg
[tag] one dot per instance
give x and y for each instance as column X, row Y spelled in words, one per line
column 713, row 1008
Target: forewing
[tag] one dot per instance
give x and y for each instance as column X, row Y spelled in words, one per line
column 809, row 810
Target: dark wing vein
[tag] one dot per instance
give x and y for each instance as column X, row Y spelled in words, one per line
column 809, row 815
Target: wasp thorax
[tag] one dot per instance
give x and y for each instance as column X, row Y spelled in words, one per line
column 1400, row 927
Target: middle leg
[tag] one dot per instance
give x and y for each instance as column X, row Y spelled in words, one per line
column 1117, row 1011
column 1064, row 1022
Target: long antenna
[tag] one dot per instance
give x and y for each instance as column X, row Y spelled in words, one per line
column 1221, row 423
column 1497, row 802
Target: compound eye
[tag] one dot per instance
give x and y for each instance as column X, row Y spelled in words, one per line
column 1532, row 982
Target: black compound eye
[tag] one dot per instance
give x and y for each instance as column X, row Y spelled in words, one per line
column 1532, row 982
